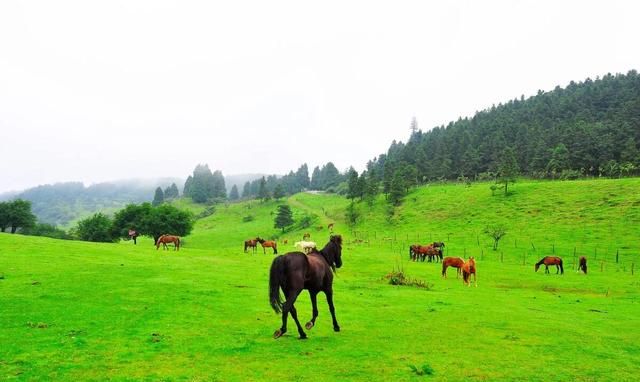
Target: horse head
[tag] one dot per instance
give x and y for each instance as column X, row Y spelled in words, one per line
column 336, row 240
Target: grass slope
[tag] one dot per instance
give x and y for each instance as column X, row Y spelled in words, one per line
column 85, row 311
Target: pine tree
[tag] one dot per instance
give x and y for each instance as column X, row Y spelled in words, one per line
column 246, row 190
column 233, row 195
column 263, row 193
column 284, row 217
column 352, row 184
column 559, row 160
column 508, row 168
column 278, row 192
column 158, row 198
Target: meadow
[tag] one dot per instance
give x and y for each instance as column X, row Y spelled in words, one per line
column 87, row 311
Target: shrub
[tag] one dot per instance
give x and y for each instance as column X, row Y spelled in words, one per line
column 248, row 218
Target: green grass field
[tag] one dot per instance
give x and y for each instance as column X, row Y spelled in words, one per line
column 84, row 311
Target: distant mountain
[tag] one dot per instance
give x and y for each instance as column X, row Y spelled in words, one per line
column 62, row 203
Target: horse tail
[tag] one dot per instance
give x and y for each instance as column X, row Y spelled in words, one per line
column 277, row 278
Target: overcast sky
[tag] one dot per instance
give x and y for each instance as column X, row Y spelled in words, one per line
column 93, row 91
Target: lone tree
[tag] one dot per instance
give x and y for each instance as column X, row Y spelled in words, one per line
column 508, row 168
column 158, row 198
column 496, row 233
column 284, row 217
column 16, row 214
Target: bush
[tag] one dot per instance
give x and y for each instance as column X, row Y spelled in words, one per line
column 96, row 228
column 248, row 218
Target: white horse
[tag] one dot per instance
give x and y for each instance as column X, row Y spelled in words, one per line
column 305, row 246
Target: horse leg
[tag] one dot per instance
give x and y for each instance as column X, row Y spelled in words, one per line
column 444, row 271
column 294, row 314
column 332, row 309
column 286, row 308
column 314, row 312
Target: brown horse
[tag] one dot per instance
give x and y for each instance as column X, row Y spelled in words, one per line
column 268, row 244
column 251, row 243
column 164, row 239
column 455, row 262
column 468, row 269
column 550, row 260
column 295, row 271
column 421, row 252
column 583, row 264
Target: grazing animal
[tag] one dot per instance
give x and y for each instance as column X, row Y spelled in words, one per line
column 295, row 271
column 268, row 244
column 583, row 264
column 305, row 246
column 468, row 269
column 438, row 244
column 550, row 260
column 306, row 236
column 164, row 239
column 251, row 243
column 421, row 252
column 455, row 262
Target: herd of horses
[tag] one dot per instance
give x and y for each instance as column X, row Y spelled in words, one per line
column 313, row 269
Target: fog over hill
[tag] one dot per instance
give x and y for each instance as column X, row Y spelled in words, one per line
column 64, row 202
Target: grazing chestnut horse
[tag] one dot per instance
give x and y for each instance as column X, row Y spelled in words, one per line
column 455, row 262
column 251, row 243
column 268, row 244
column 164, row 239
column 550, row 260
column 295, row 271
column 583, row 264
column 468, row 269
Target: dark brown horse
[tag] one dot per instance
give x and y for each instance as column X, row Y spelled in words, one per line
column 251, row 243
column 468, row 269
column 550, row 260
column 268, row 244
column 164, row 239
column 295, row 271
column 455, row 262
column 583, row 264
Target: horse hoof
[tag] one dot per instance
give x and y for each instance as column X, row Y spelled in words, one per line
column 309, row 325
column 336, row 328
column 303, row 337
column 278, row 333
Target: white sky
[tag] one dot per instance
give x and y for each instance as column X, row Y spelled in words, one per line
column 103, row 90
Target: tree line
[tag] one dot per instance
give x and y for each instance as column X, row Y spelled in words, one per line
column 590, row 128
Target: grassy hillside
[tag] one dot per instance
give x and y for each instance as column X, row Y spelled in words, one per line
column 84, row 311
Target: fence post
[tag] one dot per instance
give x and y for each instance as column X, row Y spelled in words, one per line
column 482, row 255
column 617, row 255
column 524, row 259
column 595, row 253
column 602, row 266
column 478, row 240
column 533, row 246
column 632, row 266
column 501, row 257
column 553, row 248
